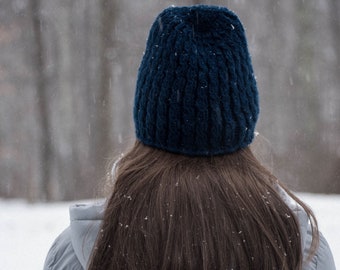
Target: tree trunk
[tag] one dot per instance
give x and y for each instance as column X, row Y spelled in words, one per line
column 103, row 140
column 42, row 104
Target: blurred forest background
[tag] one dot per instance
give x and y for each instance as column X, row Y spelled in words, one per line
column 67, row 78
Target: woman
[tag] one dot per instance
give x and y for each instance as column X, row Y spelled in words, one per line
column 190, row 194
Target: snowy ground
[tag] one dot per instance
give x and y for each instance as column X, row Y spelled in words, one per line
column 28, row 230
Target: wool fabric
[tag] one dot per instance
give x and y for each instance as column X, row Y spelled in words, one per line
column 196, row 92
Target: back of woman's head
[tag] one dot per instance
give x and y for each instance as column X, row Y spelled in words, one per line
column 190, row 194
column 169, row 211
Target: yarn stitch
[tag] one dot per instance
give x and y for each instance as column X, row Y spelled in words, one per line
column 196, row 92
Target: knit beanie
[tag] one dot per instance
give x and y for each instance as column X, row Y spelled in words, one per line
column 196, row 92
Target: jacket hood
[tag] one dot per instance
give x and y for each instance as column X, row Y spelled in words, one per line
column 302, row 217
column 85, row 222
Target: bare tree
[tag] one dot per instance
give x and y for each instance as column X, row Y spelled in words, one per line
column 43, row 102
column 102, row 138
column 334, row 130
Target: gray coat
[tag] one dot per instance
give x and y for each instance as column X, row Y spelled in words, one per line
column 72, row 248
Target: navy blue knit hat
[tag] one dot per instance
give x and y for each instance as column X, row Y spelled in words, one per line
column 196, row 92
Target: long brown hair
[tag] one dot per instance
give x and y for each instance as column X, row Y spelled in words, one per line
column 169, row 211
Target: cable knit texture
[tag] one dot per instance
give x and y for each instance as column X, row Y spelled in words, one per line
column 196, row 92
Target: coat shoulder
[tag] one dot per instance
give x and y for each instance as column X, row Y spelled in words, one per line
column 323, row 258
column 61, row 255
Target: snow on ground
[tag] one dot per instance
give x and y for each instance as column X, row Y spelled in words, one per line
column 28, row 230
